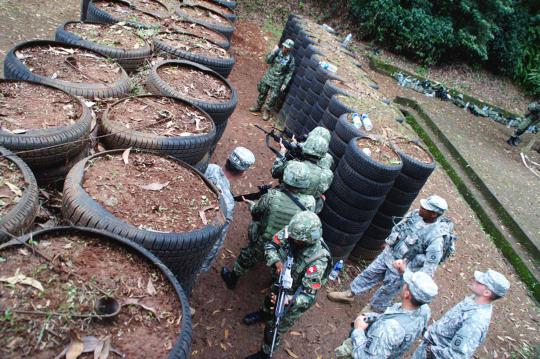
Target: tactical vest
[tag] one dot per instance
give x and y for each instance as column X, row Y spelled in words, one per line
column 315, row 172
column 281, row 210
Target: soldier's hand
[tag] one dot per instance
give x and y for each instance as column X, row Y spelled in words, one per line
column 282, row 148
column 283, row 87
column 248, row 200
column 359, row 323
column 279, row 267
column 400, row 265
column 275, row 49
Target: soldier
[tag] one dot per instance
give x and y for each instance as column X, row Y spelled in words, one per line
column 310, row 269
column 415, row 243
column 239, row 161
column 277, row 77
column 464, row 327
column 532, row 118
column 327, row 161
column 391, row 334
column 313, row 150
column 271, row 213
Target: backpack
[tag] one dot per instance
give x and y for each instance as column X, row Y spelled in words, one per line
column 449, row 245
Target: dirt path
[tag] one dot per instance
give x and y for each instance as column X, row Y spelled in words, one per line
column 218, row 331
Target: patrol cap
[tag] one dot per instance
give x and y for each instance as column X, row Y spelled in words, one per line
column 421, row 286
column 495, row 281
column 241, row 159
column 288, row 44
column 434, row 203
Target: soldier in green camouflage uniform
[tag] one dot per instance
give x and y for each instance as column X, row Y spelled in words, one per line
column 532, row 118
column 276, row 79
column 311, row 266
column 271, row 213
column 314, row 151
column 327, row 161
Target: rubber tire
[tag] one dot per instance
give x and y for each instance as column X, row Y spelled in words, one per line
column 219, row 112
column 332, row 218
column 221, row 66
column 363, row 254
column 408, row 184
column 19, row 218
column 368, row 167
column 337, row 237
column 337, row 145
column 345, row 130
column 347, row 211
column 223, row 42
column 43, row 148
column 16, row 70
column 414, row 168
column 183, row 253
column 227, row 31
column 202, row 165
column 361, row 184
column 190, row 149
column 391, row 209
column 95, row 14
column 182, row 346
column 398, row 196
column 329, row 121
column 339, row 252
column 130, row 60
column 354, row 198
column 230, row 4
column 337, row 108
column 383, row 220
column 57, row 174
column 377, row 233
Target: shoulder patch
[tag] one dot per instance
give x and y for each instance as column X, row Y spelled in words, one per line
column 311, row 270
column 276, row 239
column 316, row 285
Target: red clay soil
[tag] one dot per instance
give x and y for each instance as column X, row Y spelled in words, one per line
column 123, row 12
column 116, row 35
column 218, row 330
column 195, row 83
column 69, row 64
column 192, row 28
column 413, row 150
column 12, row 185
column 200, row 13
column 151, row 6
column 151, row 192
column 379, row 151
column 25, row 106
column 80, row 271
column 213, row 6
column 162, row 116
column 194, row 44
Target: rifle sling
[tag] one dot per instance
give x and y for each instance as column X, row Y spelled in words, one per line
column 295, row 200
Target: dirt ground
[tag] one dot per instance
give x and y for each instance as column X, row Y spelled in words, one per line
column 218, row 331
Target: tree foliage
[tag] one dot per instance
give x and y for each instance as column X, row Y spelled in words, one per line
column 504, row 35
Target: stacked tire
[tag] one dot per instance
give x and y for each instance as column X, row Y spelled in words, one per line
column 412, row 177
column 343, row 133
column 360, row 186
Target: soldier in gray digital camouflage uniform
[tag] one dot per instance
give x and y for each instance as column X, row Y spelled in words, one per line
column 532, row 118
column 276, row 79
column 464, row 327
column 416, row 243
column 271, row 213
column 391, row 334
column 239, row 161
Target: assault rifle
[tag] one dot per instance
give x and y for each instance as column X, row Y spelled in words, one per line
column 293, row 150
column 284, row 286
column 263, row 189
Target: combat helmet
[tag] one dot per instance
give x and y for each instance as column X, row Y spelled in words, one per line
column 320, row 132
column 305, row 226
column 288, row 44
column 315, row 146
column 296, row 175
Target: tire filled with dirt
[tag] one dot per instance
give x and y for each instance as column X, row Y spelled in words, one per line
column 196, row 49
column 198, row 85
column 153, row 7
column 206, row 17
column 92, row 290
column 161, row 124
column 44, row 125
column 19, row 202
column 156, row 201
column 188, row 27
column 116, row 41
column 72, row 68
column 215, row 6
column 113, row 11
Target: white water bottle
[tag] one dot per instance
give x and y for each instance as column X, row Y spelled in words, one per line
column 356, row 120
column 347, row 40
column 367, row 122
column 335, row 271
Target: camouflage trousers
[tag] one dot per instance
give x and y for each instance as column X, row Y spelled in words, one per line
column 264, row 89
column 376, row 272
column 526, row 123
column 288, row 320
column 344, row 351
column 253, row 253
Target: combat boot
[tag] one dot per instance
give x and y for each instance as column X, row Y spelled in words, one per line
column 259, row 355
column 265, row 115
column 254, row 318
column 229, row 277
column 256, row 108
column 513, row 141
column 367, row 309
column 346, row 296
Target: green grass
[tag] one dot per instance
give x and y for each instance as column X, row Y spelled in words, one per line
column 488, row 226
